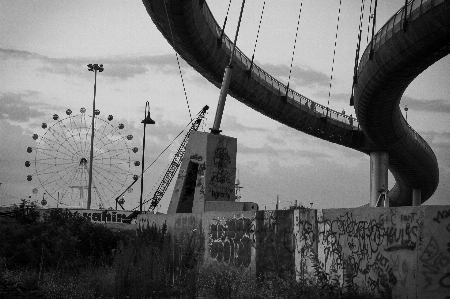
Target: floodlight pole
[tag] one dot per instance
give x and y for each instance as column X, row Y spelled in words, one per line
column 92, row 68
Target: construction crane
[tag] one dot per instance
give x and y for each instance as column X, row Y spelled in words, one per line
column 176, row 162
column 173, row 167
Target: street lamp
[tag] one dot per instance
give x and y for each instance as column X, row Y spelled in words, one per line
column 92, row 68
column 146, row 121
column 406, row 111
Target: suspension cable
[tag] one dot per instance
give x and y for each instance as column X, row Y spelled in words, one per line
column 219, row 40
column 178, row 61
column 374, row 22
column 237, row 33
column 405, row 13
column 368, row 23
column 117, row 198
column 295, row 43
column 334, row 51
column 256, row 41
column 358, row 46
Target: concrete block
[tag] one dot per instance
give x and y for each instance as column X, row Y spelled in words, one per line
column 229, row 206
column 230, row 239
column 275, row 244
column 207, row 173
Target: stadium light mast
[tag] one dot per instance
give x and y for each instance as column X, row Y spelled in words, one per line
column 92, row 68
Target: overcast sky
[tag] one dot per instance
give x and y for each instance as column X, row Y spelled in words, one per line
column 45, row 46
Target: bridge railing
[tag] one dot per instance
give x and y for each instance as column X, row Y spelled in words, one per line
column 414, row 9
column 269, row 81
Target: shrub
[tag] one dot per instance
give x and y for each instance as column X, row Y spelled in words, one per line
column 62, row 240
column 26, row 212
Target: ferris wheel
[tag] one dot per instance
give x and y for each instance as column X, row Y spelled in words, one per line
column 61, row 160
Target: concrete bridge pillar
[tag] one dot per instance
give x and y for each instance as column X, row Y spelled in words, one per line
column 417, row 197
column 379, row 164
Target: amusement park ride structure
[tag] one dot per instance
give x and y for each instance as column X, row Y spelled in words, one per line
column 61, row 163
column 61, row 160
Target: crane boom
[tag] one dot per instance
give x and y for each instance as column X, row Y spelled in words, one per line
column 176, row 162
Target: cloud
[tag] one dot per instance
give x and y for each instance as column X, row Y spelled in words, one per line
column 270, row 151
column 439, row 105
column 338, row 97
column 13, row 107
column 232, row 124
column 13, row 154
column 119, row 67
column 325, row 184
column 440, row 144
column 301, row 76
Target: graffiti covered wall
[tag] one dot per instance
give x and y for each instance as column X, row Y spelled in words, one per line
column 229, row 238
column 433, row 264
column 375, row 248
column 405, row 251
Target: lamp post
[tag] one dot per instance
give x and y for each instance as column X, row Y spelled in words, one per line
column 146, row 121
column 92, row 68
column 406, row 111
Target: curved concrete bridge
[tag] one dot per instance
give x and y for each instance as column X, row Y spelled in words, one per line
column 400, row 53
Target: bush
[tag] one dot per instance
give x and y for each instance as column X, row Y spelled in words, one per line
column 62, row 240
column 25, row 212
column 66, row 256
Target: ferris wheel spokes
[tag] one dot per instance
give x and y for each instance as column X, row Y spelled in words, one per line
column 54, row 186
column 62, row 158
column 64, row 130
column 52, row 146
column 106, row 184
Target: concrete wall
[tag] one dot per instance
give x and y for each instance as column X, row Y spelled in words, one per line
column 406, row 249
column 372, row 247
column 433, row 253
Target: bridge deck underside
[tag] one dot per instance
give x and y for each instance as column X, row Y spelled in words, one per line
column 399, row 57
column 194, row 39
column 191, row 29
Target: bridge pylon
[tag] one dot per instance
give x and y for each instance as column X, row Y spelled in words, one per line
column 379, row 166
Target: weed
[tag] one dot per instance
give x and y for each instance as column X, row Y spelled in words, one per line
column 65, row 256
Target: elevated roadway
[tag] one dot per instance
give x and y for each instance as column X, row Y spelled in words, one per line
column 399, row 55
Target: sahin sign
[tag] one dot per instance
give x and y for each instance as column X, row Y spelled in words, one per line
column 105, row 216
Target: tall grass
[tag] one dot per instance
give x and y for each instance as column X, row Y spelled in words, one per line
column 145, row 264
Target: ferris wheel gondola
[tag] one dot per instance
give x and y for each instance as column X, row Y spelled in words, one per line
column 61, row 160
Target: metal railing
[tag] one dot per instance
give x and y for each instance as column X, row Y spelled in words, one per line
column 414, row 9
column 270, row 82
